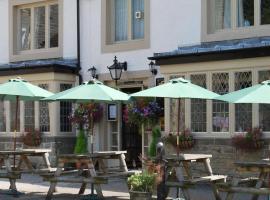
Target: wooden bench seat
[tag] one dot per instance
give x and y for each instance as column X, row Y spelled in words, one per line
column 94, row 180
column 11, row 175
column 250, row 190
column 206, row 179
column 116, row 174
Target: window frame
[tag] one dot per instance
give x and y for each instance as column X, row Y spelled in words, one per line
column 15, row 53
column 107, row 42
column 208, row 33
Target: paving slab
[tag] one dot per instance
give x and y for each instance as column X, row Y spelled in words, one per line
column 34, row 188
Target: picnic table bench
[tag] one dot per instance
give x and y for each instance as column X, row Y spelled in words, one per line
column 183, row 161
column 14, row 172
column 252, row 185
column 88, row 174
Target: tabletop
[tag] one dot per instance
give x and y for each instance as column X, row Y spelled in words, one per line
column 188, row 157
column 93, row 155
column 25, row 151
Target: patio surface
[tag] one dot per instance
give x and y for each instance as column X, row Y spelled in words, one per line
column 35, row 189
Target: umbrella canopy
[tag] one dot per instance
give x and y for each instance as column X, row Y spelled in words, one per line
column 256, row 94
column 91, row 91
column 177, row 88
column 18, row 87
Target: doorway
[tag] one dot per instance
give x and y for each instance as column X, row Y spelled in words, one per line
column 131, row 137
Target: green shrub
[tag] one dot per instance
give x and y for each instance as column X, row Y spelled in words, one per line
column 156, row 134
column 81, row 143
column 143, row 182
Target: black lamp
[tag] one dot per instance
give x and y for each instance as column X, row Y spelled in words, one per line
column 116, row 69
column 93, row 72
column 152, row 67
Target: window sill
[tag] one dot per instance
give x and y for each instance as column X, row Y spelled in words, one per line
column 36, row 54
column 125, row 46
column 238, row 33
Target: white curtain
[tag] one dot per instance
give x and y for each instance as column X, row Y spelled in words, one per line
column 138, row 23
column 241, row 19
column 227, row 14
column 121, row 20
column 25, row 17
column 222, row 14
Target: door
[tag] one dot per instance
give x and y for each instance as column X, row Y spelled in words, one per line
column 131, row 137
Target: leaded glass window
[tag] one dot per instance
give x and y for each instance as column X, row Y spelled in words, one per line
column 198, row 106
column 29, row 116
column 174, row 112
column 13, row 116
column 44, row 116
column 243, row 112
column 220, row 115
column 264, row 109
column 65, row 110
column 2, row 117
column 37, row 26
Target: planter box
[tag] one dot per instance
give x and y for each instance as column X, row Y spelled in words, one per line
column 140, row 195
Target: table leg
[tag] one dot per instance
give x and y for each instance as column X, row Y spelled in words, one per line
column 208, row 167
column 180, row 178
column 123, row 164
column 93, row 173
column 259, row 184
column 229, row 195
column 53, row 184
column 9, row 170
column 46, row 160
column 102, row 165
column 83, row 186
column 187, row 169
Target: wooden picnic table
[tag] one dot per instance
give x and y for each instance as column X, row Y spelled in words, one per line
column 185, row 178
column 14, row 172
column 250, row 185
column 88, row 173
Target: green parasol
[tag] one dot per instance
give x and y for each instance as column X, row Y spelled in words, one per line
column 18, row 89
column 255, row 94
column 178, row 88
column 91, row 91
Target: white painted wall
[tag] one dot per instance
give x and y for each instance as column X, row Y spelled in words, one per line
column 4, row 36
column 70, row 29
column 172, row 23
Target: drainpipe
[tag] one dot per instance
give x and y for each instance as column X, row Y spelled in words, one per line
column 79, row 42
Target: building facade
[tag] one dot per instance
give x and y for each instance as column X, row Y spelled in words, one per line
column 233, row 54
column 38, row 44
column 222, row 45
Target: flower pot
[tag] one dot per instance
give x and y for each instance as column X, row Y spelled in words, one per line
column 135, row 195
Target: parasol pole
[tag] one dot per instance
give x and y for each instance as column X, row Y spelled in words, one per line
column 178, row 128
column 92, row 143
column 15, row 126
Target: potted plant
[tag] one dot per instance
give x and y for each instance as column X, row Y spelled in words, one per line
column 143, row 112
column 32, row 138
column 186, row 140
column 83, row 118
column 156, row 134
column 249, row 141
column 141, row 186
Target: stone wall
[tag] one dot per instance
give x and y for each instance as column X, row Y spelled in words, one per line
column 224, row 154
column 58, row 145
